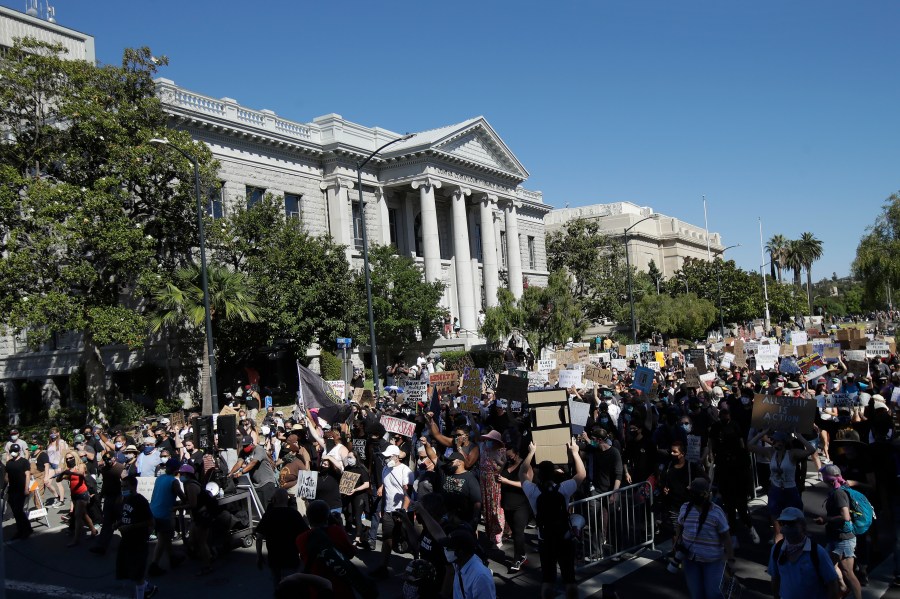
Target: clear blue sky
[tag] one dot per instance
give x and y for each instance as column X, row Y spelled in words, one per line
column 784, row 110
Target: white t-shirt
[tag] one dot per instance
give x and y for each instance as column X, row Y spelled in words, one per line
column 394, row 480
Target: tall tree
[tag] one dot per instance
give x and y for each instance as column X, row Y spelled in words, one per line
column 776, row 247
column 877, row 261
column 685, row 316
column 810, row 251
column 180, row 302
column 793, row 260
column 92, row 217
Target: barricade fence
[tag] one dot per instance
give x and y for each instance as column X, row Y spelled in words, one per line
column 617, row 522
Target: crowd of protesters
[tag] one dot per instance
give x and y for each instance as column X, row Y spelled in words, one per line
column 464, row 487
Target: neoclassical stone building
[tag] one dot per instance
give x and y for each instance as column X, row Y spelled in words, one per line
column 451, row 198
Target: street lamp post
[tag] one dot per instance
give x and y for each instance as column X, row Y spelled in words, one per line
column 762, row 260
column 365, row 244
column 719, row 285
column 628, row 266
column 210, row 348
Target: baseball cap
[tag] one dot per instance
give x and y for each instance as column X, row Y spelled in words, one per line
column 14, row 448
column 186, row 468
column 164, row 421
column 830, row 470
column 791, row 514
column 246, row 440
column 456, row 456
column 391, row 451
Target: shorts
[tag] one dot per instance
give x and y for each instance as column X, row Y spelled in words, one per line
column 780, row 498
column 387, row 526
column 843, row 549
column 165, row 529
column 560, row 553
column 85, row 497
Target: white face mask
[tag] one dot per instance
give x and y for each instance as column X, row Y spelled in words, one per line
column 450, row 555
column 14, row 437
column 351, row 461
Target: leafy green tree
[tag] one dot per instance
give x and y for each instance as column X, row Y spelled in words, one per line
column 305, row 288
column 777, row 249
column 793, row 259
column 877, row 262
column 544, row 316
column 655, row 275
column 92, row 218
column 402, row 302
column 810, row 251
column 180, row 302
column 596, row 261
column 685, row 316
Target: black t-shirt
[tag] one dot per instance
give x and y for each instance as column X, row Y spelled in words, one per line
column 363, row 478
column 462, row 492
column 837, row 530
column 677, row 481
column 328, row 489
column 17, row 470
column 135, row 510
column 280, row 526
column 607, row 469
column 252, row 402
column 641, row 457
column 512, row 498
column 41, row 461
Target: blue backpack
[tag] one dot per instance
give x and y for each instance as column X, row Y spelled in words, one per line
column 861, row 511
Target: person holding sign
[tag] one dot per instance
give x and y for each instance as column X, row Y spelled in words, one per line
column 783, row 492
column 394, row 491
column 358, row 497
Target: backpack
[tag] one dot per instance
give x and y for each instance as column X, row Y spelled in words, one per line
column 861, row 511
column 552, row 514
column 813, row 556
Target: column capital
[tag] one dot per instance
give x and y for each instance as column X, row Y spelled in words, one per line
column 336, row 183
column 488, row 200
column 462, row 191
column 426, row 182
column 381, row 192
column 509, row 204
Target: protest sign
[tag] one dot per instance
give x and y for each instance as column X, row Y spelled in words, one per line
column 470, row 391
column 856, row 354
column 691, row 377
column 832, row 352
column 767, row 350
column 783, row 413
column 878, row 349
column 860, row 369
column 581, row 355
column 895, row 395
column 398, row 426
column 654, row 366
column 445, row 382
column 764, row 363
column 841, row 400
column 339, row 388
column 307, row 481
column 619, row 365
column 550, row 427
column 632, row 350
column 601, row 376
column 788, row 366
column 359, row 448
column 697, row 357
column 415, row 390
column 660, row 358
column 693, row 448
column 643, row 379
column 545, row 366
column 727, row 360
column 603, row 357
column 708, row 377
column 569, row 378
column 578, row 415
column 176, row 419
column 145, row 485
column 512, row 388
column 787, row 350
column 672, row 344
column 536, row 380
column 348, row 482
column 799, row 338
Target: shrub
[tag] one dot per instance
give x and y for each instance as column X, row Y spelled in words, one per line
column 330, row 366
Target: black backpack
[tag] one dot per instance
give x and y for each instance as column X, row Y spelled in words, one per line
column 552, row 514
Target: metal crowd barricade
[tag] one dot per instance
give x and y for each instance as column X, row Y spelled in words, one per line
column 617, row 522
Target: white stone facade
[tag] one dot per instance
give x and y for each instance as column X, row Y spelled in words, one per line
column 664, row 239
column 15, row 24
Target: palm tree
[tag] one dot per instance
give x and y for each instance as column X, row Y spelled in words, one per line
column 810, row 251
column 776, row 248
column 181, row 302
column 793, row 259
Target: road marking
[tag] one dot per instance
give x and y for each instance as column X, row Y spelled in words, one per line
column 34, row 588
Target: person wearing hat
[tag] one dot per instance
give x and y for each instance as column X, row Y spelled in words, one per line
column 794, row 557
column 492, row 454
column 839, row 528
column 783, row 462
column 149, row 458
column 112, row 470
column 702, row 531
column 461, row 490
column 471, row 579
column 14, row 439
column 256, row 463
column 395, row 492
column 135, row 523
column 166, row 490
column 18, row 470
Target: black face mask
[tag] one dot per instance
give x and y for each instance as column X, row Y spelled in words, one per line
column 449, row 468
column 70, row 462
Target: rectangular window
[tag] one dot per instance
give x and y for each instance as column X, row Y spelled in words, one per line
column 292, row 205
column 215, row 208
column 477, row 251
column 254, row 194
column 532, row 260
column 503, row 249
column 392, row 227
column 357, row 228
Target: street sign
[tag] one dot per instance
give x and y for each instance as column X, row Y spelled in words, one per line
column 344, row 342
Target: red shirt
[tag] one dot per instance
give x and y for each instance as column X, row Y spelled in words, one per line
column 336, row 534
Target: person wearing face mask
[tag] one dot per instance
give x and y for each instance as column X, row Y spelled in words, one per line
column 56, row 451
column 471, row 579
column 395, row 491
column 493, row 454
column 111, row 470
column 675, row 480
column 515, row 505
column 800, row 568
column 731, row 460
column 461, row 489
column 839, row 529
column 135, row 523
column 14, row 439
column 702, row 531
column 358, row 499
column 17, row 478
column 75, row 473
column 149, row 458
column 165, row 492
column 255, row 462
column 40, row 468
column 639, row 456
column 328, row 486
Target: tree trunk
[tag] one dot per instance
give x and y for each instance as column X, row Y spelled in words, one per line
column 205, row 391
column 797, row 278
column 772, row 268
column 809, row 288
column 95, row 378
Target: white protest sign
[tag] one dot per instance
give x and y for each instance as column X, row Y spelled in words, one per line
column 307, row 481
column 765, row 362
column 569, row 378
column 727, row 359
column 339, row 388
column 799, row 338
column 708, row 378
column 693, row 448
column 879, row 349
column 857, row 355
column 771, row 350
column 415, row 390
column 895, row 395
column 398, row 426
column 545, row 366
column 633, row 350
column 145, row 486
column 604, row 357
column 619, row 364
column 579, row 412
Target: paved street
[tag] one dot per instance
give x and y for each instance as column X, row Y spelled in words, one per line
column 44, row 566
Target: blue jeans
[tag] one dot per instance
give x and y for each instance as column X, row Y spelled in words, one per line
column 703, row 578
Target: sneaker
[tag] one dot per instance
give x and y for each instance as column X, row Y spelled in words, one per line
column 154, row 570
column 517, row 565
column 150, row 591
column 754, row 536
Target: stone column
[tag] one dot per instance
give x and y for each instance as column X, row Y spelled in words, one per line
column 383, row 216
column 464, row 294
column 513, row 249
column 431, row 246
column 340, row 216
column 489, row 249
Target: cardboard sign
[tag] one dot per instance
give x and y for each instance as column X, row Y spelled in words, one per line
column 569, row 378
column 643, row 380
column 619, row 365
column 672, row 344
column 859, row 368
column 550, row 425
column 832, row 352
column 415, row 390
column 691, row 377
column 693, row 448
column 176, row 419
column 145, row 485
column 878, row 349
column 601, row 376
column 398, row 426
column 307, row 481
column 359, row 448
column 348, row 482
column 789, row 414
column 445, row 382
column 339, row 388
